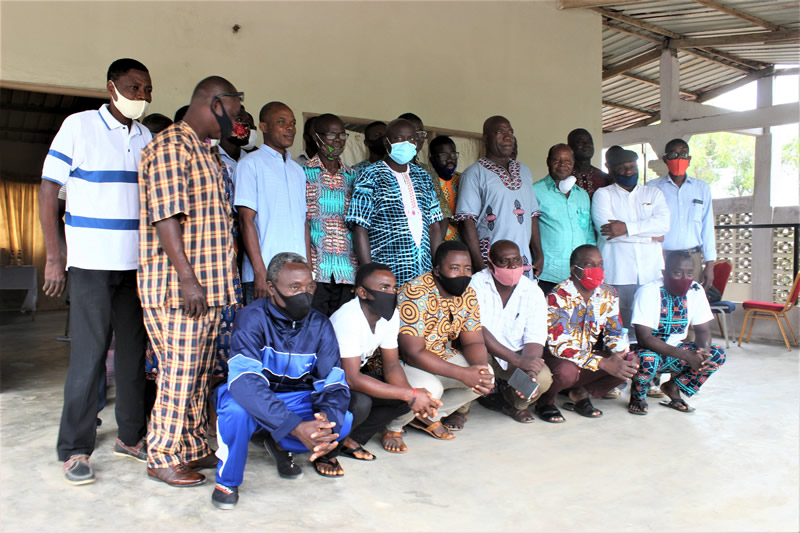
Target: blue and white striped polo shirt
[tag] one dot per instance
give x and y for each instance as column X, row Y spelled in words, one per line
column 97, row 158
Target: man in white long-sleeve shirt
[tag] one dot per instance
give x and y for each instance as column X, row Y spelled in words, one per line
column 631, row 220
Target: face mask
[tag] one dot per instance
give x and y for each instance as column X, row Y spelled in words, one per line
column 251, row 141
column 297, row 306
column 131, row 109
column 212, row 142
column 507, row 276
column 677, row 287
column 384, row 303
column 592, row 277
column 627, row 181
column 327, row 151
column 377, row 147
column 455, row 286
column 566, row 184
column 240, row 135
column 224, row 121
column 677, row 167
column 403, row 152
column 445, row 173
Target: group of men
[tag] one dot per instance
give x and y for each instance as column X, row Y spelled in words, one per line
column 370, row 298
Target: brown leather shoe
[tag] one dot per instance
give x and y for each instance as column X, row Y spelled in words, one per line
column 209, row 461
column 179, row 475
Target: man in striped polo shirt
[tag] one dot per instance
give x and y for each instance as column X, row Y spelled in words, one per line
column 95, row 155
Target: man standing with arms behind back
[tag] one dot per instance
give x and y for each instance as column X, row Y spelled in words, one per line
column 96, row 154
column 186, row 272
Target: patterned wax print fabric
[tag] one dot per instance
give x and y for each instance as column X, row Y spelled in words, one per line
column 591, row 180
column 574, row 325
column 447, row 191
column 425, row 313
column 328, row 197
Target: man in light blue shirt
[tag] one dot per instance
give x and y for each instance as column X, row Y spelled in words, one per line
column 565, row 216
column 270, row 197
column 691, row 212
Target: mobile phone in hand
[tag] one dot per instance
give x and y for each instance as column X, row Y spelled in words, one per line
column 522, row 383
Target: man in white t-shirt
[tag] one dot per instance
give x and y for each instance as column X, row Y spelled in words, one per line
column 663, row 310
column 514, row 320
column 363, row 325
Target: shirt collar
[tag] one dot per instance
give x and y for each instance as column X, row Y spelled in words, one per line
column 688, row 179
column 271, row 152
column 112, row 123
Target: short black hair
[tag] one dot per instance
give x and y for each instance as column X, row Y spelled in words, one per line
column 439, row 141
column 572, row 137
column 365, row 271
column 445, row 248
column 121, row 67
column 322, row 120
column 269, row 107
column 156, row 122
column 180, row 113
column 372, row 125
column 411, row 116
column 558, row 147
column 673, row 142
column 578, row 252
column 677, row 255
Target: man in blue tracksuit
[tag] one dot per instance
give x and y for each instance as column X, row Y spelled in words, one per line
column 284, row 377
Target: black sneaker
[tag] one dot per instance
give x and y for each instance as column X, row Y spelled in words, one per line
column 225, row 498
column 77, row 470
column 138, row 452
column 287, row 468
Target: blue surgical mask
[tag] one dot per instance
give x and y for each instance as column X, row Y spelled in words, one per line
column 627, row 181
column 403, row 152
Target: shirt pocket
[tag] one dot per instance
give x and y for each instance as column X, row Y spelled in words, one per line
column 583, row 216
column 697, row 212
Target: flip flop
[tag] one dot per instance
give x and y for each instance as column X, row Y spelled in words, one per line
column 641, row 404
column 675, row 404
column 584, row 408
column 431, row 429
column 397, row 438
column 351, row 452
column 523, row 416
column 548, row 413
column 326, row 461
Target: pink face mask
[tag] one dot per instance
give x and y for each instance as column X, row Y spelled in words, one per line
column 507, row 276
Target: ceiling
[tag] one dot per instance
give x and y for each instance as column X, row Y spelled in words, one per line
column 720, row 45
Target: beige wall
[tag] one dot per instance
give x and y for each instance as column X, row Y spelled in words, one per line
column 452, row 63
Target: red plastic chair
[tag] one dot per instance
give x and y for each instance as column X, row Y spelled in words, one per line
column 721, row 309
column 772, row 311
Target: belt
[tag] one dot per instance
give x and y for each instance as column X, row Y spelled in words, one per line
column 695, row 250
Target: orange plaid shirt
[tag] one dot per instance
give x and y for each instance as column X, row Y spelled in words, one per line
column 180, row 176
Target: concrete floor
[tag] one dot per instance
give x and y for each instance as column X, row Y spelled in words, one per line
column 730, row 466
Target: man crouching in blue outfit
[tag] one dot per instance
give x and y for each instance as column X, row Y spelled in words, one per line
column 285, row 377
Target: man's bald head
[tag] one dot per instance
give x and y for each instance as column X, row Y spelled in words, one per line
column 210, row 87
column 501, row 248
column 324, row 122
column 396, row 125
column 269, row 109
column 490, row 124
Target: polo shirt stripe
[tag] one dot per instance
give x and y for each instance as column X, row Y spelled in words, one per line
column 106, row 176
column 101, row 223
column 58, row 155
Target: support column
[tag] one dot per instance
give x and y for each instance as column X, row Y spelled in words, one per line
column 762, row 210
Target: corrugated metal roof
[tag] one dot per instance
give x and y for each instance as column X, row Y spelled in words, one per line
column 632, row 30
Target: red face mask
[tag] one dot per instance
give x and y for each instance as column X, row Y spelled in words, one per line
column 592, row 277
column 677, row 287
column 677, row 167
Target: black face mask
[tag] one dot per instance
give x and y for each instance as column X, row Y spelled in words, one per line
column 297, row 306
column 377, row 147
column 455, row 286
column 384, row 303
column 224, row 121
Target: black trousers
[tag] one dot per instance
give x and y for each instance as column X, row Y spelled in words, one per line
column 99, row 301
column 330, row 296
column 371, row 415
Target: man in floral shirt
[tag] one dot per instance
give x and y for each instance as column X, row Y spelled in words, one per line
column 579, row 309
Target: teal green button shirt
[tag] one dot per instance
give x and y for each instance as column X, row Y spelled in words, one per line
column 564, row 224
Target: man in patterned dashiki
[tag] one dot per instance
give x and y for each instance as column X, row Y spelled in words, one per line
column 444, row 160
column 373, row 140
column 579, row 310
column 420, row 143
column 437, row 308
column 496, row 200
column 394, row 213
column 329, row 187
column 663, row 310
column 588, row 177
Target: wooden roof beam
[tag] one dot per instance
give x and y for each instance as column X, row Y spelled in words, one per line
column 740, row 14
column 583, row 4
column 788, row 36
column 656, row 83
column 713, row 93
column 628, row 108
column 637, row 61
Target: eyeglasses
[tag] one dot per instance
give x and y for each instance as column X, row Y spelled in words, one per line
column 443, row 157
column 239, row 95
column 330, row 137
column 422, row 134
column 676, row 155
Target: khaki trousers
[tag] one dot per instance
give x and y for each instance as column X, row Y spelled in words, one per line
column 544, row 379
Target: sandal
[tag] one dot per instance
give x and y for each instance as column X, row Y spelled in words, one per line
column 395, row 437
column 613, row 394
column 456, row 421
column 584, row 408
column 655, row 392
column 548, row 413
column 678, row 405
column 523, row 416
column 351, row 452
column 637, row 407
column 432, row 429
column 324, row 460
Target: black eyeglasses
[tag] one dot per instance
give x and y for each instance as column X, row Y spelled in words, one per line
column 443, row 157
column 676, row 155
column 239, row 95
column 330, row 137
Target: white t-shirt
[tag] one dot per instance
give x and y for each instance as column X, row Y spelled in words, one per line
column 524, row 318
column 648, row 308
column 355, row 337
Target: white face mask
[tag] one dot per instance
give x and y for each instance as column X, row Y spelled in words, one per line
column 212, row 142
column 251, row 142
column 131, row 109
column 566, row 184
